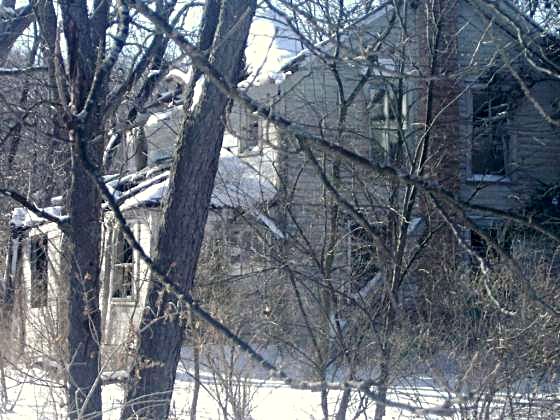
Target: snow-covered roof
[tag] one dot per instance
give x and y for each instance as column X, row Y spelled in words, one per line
column 270, row 46
column 23, row 218
column 274, row 50
column 238, row 184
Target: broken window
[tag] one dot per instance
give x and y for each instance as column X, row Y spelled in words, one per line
column 39, row 271
column 490, row 139
column 123, row 268
column 363, row 257
column 387, row 107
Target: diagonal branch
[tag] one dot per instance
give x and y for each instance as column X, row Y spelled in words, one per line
column 17, row 197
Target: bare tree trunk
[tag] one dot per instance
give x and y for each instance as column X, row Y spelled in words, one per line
column 84, row 35
column 84, row 321
column 385, row 364
column 344, row 403
column 181, row 233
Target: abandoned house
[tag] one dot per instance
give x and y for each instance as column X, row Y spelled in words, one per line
column 489, row 144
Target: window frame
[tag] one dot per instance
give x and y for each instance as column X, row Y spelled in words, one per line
column 119, row 290
column 505, row 138
column 389, row 128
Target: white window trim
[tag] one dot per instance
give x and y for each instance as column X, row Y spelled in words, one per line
column 385, row 137
column 135, row 228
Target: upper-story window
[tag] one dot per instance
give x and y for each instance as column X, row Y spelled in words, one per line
column 39, row 263
column 123, row 268
column 490, row 141
column 387, row 113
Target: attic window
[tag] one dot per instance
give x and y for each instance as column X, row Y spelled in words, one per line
column 490, row 139
column 39, row 271
column 123, row 268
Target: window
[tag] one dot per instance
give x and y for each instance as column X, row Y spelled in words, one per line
column 39, row 271
column 386, row 109
column 248, row 131
column 123, row 269
column 490, row 139
column 363, row 257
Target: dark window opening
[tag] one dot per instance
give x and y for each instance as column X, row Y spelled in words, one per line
column 39, row 261
column 123, row 277
column 363, row 257
column 490, row 139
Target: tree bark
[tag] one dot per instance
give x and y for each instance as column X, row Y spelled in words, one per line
column 180, row 238
column 84, row 36
column 84, row 321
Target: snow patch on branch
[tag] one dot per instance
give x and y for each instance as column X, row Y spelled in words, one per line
column 7, row 12
column 25, row 218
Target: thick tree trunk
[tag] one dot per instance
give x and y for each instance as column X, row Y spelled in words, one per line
column 85, row 35
column 180, row 238
column 84, row 321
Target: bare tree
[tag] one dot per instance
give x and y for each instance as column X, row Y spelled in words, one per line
column 185, row 214
column 381, row 143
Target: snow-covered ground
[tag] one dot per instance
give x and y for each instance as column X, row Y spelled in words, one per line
column 34, row 396
column 267, row 400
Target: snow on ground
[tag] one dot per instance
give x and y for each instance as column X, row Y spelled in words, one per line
column 35, row 396
column 266, row 400
column 40, row 399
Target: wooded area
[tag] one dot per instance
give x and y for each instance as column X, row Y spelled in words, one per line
column 367, row 190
